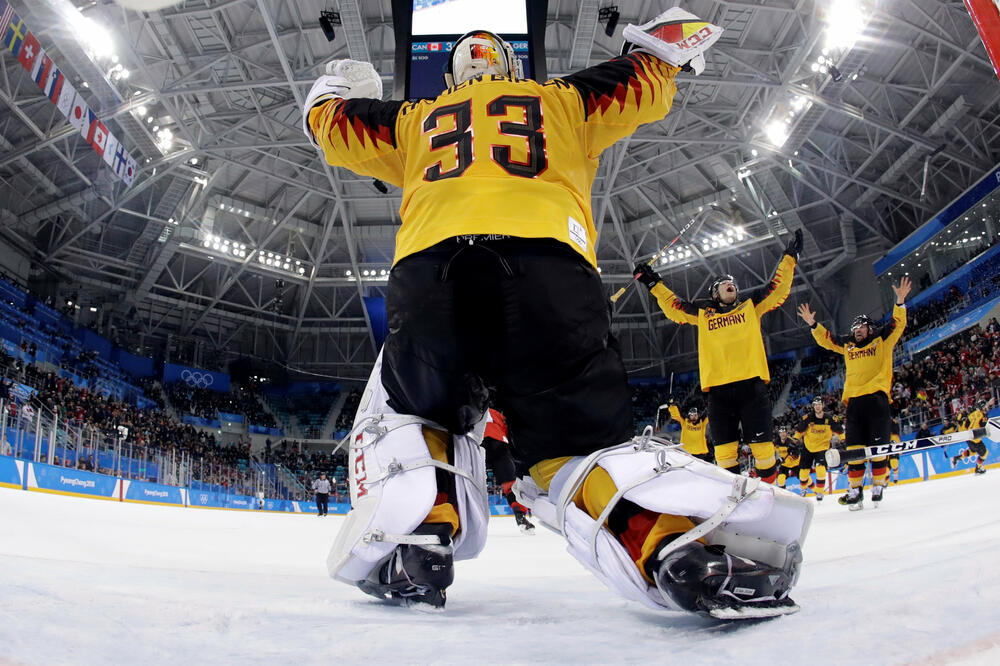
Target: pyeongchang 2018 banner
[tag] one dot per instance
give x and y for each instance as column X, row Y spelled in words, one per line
column 24, row 45
column 196, row 377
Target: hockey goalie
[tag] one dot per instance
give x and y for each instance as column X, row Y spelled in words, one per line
column 495, row 286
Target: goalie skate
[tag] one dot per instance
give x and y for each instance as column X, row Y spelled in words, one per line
column 710, row 581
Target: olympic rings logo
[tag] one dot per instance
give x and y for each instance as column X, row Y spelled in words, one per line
column 197, row 379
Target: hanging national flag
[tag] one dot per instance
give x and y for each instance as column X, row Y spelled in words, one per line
column 111, row 149
column 118, row 160
column 14, row 34
column 66, row 97
column 8, row 12
column 130, row 168
column 79, row 116
column 50, row 79
column 30, row 50
column 24, row 45
column 97, row 135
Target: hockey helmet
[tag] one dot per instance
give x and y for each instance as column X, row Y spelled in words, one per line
column 818, row 400
column 718, row 282
column 861, row 320
column 481, row 52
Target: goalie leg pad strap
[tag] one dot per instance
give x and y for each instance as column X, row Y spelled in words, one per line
column 393, row 487
column 753, row 520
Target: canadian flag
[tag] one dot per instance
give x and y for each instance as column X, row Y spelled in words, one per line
column 434, row 46
column 97, row 135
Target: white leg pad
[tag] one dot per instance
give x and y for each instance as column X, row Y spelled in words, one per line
column 754, row 520
column 393, row 487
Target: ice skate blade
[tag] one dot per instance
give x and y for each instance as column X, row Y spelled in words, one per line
column 750, row 612
column 856, row 507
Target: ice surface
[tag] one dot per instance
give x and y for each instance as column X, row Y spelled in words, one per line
column 95, row 582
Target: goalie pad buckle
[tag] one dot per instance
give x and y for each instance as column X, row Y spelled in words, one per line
column 393, row 487
column 751, row 519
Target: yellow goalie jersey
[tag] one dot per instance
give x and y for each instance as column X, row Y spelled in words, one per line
column 730, row 343
column 869, row 367
column 455, row 156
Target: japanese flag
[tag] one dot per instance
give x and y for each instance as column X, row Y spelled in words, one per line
column 79, row 114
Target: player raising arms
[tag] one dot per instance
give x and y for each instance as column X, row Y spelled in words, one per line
column 815, row 431
column 867, row 353
column 732, row 362
column 494, row 285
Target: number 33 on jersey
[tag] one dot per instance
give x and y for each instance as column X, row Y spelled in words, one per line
column 494, row 155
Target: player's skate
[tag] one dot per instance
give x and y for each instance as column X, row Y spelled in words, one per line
column 954, row 461
column 853, row 499
column 877, row 495
column 708, row 580
column 523, row 523
column 980, row 469
column 676, row 36
column 416, row 575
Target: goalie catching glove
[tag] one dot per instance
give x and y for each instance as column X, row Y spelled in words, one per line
column 676, row 37
column 345, row 79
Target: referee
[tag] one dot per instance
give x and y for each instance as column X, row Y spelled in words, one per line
column 321, row 487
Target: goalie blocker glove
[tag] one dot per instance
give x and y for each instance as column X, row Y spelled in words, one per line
column 345, row 79
column 676, row 36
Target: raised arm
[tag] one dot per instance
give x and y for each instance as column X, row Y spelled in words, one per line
column 898, row 311
column 620, row 95
column 777, row 290
column 344, row 117
column 673, row 307
column 823, row 337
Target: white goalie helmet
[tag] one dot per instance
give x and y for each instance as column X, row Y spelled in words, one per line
column 481, row 52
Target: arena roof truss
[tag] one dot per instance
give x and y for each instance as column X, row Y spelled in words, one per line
column 236, row 238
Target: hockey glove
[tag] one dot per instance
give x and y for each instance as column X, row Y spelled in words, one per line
column 794, row 246
column 676, row 36
column 346, row 79
column 646, row 275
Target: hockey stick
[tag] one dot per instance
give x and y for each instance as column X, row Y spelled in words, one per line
column 834, row 457
column 621, row 292
column 656, row 423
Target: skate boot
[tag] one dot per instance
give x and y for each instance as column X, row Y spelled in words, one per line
column 415, row 574
column 877, row 495
column 980, row 469
column 853, row 499
column 954, row 461
column 709, row 581
column 522, row 522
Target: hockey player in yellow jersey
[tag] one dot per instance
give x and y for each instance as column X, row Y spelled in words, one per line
column 732, row 362
column 787, row 451
column 815, row 431
column 694, row 435
column 976, row 419
column 867, row 355
column 494, row 286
